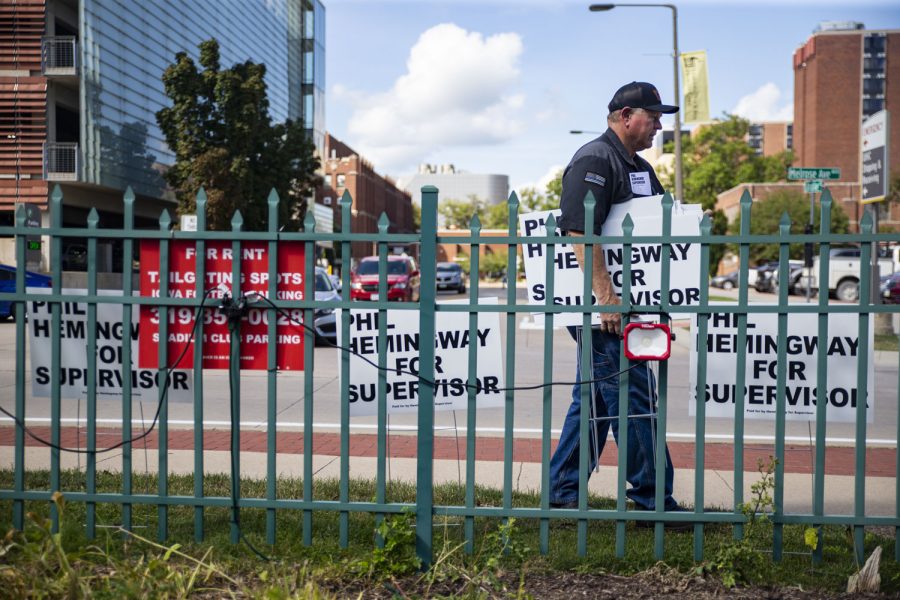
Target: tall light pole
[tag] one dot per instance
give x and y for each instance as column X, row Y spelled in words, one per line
column 604, row 7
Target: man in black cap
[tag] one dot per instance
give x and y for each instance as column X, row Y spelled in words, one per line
column 610, row 168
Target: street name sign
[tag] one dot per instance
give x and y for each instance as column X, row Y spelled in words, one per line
column 812, row 186
column 814, row 173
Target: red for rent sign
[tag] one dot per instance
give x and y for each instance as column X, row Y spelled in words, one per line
column 182, row 275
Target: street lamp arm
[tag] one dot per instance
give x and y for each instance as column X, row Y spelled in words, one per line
column 679, row 185
column 605, row 7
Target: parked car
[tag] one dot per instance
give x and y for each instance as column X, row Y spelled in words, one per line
column 844, row 271
column 324, row 322
column 764, row 281
column 450, row 276
column 890, row 288
column 402, row 279
column 75, row 258
column 726, row 282
column 796, row 271
column 8, row 286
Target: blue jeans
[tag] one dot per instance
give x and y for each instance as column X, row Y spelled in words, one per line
column 641, row 468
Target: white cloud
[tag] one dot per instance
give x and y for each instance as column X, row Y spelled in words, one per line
column 459, row 89
column 765, row 104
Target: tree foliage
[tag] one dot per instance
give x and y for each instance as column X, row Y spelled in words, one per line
column 765, row 216
column 717, row 157
column 532, row 199
column 225, row 142
column 458, row 213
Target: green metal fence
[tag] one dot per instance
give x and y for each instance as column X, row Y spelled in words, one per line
column 426, row 510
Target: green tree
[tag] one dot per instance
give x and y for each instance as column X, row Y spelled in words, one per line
column 765, row 216
column 224, row 141
column 458, row 213
column 417, row 216
column 531, row 199
column 494, row 216
column 715, row 159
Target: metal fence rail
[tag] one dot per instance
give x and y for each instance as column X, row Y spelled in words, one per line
column 425, row 312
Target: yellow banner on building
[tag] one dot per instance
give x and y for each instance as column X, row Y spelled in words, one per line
column 696, row 87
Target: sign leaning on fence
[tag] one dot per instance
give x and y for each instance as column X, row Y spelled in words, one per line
column 216, row 337
column 112, row 334
column 451, row 360
column 802, row 348
column 645, row 259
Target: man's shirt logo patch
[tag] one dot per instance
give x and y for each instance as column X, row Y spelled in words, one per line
column 594, row 178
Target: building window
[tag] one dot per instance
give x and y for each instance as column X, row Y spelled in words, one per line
column 328, row 180
column 873, row 87
column 872, row 106
column 341, row 180
column 873, row 64
column 875, row 44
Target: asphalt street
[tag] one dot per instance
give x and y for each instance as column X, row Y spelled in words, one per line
column 527, row 406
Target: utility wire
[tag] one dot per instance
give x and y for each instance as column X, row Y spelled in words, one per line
column 163, row 399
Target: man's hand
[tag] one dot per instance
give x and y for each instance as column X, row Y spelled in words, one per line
column 602, row 286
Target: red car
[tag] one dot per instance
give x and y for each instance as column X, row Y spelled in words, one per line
column 402, row 279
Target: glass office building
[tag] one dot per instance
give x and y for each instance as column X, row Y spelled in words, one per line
column 124, row 47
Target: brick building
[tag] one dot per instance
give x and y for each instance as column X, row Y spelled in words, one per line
column 846, row 195
column 840, row 78
column 769, row 138
column 81, row 83
column 372, row 194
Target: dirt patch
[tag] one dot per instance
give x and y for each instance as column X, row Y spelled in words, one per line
column 658, row 582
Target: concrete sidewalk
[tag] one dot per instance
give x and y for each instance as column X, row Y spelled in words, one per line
column 450, row 466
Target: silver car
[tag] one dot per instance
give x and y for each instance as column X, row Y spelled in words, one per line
column 450, row 276
column 323, row 318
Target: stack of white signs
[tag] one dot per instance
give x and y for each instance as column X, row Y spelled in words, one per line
column 645, row 259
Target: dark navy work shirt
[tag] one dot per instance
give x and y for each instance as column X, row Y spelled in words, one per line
column 604, row 167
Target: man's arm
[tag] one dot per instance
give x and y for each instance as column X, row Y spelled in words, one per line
column 601, row 284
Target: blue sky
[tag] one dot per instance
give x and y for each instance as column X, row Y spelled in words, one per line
column 494, row 86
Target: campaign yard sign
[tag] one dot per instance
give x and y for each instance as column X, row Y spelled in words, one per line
column 645, row 259
column 216, row 338
column 111, row 334
column 451, row 361
column 802, row 349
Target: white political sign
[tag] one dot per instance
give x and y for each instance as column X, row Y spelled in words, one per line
column 451, row 372
column 111, row 336
column 802, row 349
column 645, row 259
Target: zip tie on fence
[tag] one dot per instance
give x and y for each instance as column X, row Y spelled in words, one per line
column 426, row 381
column 165, row 396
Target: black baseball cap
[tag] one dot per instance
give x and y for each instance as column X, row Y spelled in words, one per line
column 640, row 94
